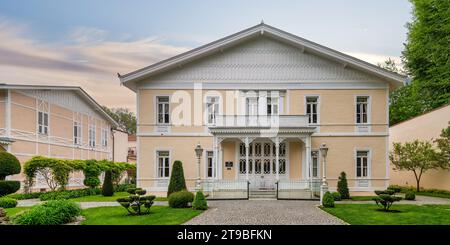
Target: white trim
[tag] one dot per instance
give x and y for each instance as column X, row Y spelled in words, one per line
column 317, row 125
column 360, row 127
column 205, row 165
column 155, row 152
column 352, row 134
column 369, row 165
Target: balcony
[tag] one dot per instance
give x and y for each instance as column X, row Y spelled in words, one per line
column 260, row 121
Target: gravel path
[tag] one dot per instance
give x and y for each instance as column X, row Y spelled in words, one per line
column 420, row 200
column 84, row 205
column 264, row 212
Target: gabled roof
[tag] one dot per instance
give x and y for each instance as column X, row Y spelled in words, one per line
column 78, row 90
column 129, row 79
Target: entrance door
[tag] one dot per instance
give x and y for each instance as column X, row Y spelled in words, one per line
column 262, row 164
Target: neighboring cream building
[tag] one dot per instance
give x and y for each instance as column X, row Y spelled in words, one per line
column 260, row 103
column 54, row 121
column 120, row 141
column 132, row 153
column 427, row 126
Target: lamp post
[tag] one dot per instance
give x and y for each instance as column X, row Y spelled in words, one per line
column 324, row 187
column 198, row 153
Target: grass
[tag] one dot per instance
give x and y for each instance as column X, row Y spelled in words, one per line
column 100, row 198
column 401, row 214
column 360, row 198
column 160, row 215
column 432, row 194
column 13, row 211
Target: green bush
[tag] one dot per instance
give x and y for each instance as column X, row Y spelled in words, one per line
column 395, row 189
column 199, row 202
column 336, row 196
column 108, row 187
column 68, row 194
column 123, row 187
column 24, row 196
column 386, row 198
column 177, row 181
column 133, row 190
column 410, row 196
column 56, row 212
column 6, row 202
column 328, row 200
column 9, row 165
column 8, row 187
column 180, row 199
column 342, row 186
column 91, row 181
column 137, row 204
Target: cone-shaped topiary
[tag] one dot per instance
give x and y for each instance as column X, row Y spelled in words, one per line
column 342, row 186
column 108, row 188
column 9, row 165
column 199, row 202
column 177, row 182
column 328, row 200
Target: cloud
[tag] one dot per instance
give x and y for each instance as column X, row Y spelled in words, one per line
column 88, row 60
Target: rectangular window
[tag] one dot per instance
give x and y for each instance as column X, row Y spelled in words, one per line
column 252, row 106
column 272, row 106
column 362, row 104
column 91, row 136
column 209, row 164
column 362, row 164
column 315, row 163
column 163, row 164
column 104, row 137
column 163, row 109
column 312, row 109
column 42, row 122
column 212, row 106
column 77, row 133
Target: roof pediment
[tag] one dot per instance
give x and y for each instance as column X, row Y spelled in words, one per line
column 290, row 58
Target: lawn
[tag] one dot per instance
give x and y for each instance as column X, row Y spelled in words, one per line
column 401, row 214
column 13, row 211
column 160, row 215
column 100, row 198
column 360, row 198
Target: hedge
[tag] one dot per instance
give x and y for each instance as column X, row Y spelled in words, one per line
column 8, row 187
column 6, row 202
column 55, row 212
column 180, row 199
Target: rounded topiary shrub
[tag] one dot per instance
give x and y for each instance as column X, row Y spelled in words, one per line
column 180, row 199
column 199, row 202
column 9, row 165
column 410, row 196
column 108, row 187
column 6, row 202
column 336, row 196
column 328, row 200
column 177, row 181
column 8, row 187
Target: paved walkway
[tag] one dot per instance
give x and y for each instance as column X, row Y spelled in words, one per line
column 84, row 205
column 420, row 200
column 264, row 212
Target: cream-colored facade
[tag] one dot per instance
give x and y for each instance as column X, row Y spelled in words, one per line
column 53, row 121
column 424, row 127
column 261, row 103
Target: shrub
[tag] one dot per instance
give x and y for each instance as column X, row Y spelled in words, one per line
column 67, row 194
column 395, row 189
column 177, row 182
column 9, row 165
column 328, row 200
column 134, row 204
column 8, row 187
column 91, row 182
column 54, row 212
column 336, row 196
column 24, row 196
column 123, row 187
column 342, row 186
column 108, row 188
column 386, row 198
column 199, row 202
column 133, row 190
column 6, row 202
column 410, row 196
column 180, row 199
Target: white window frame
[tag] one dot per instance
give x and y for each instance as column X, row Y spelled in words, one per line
column 274, row 103
column 92, row 135
column 317, row 107
column 318, row 164
column 105, row 137
column 212, row 109
column 363, row 127
column 167, row 104
column 77, row 133
column 157, row 167
column 369, row 163
column 207, row 158
column 42, row 124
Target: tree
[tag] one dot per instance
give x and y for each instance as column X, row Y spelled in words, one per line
column 9, row 165
column 342, row 186
column 393, row 66
column 199, row 202
column 124, row 117
column 386, row 198
column 108, row 188
column 417, row 156
column 426, row 57
column 443, row 144
column 177, row 182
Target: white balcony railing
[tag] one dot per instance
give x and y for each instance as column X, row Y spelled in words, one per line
column 262, row 121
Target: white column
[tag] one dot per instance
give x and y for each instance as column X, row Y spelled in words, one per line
column 220, row 163
column 247, row 146
column 216, row 156
column 8, row 118
column 277, row 157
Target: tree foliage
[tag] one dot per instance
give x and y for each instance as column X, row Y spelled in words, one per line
column 417, row 156
column 426, row 57
column 443, row 144
column 342, row 186
column 9, row 165
column 124, row 117
column 386, row 198
column 177, row 181
column 108, row 188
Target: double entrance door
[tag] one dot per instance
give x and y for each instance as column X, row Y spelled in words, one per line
column 262, row 164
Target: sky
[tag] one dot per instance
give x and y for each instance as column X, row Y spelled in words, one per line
column 87, row 42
